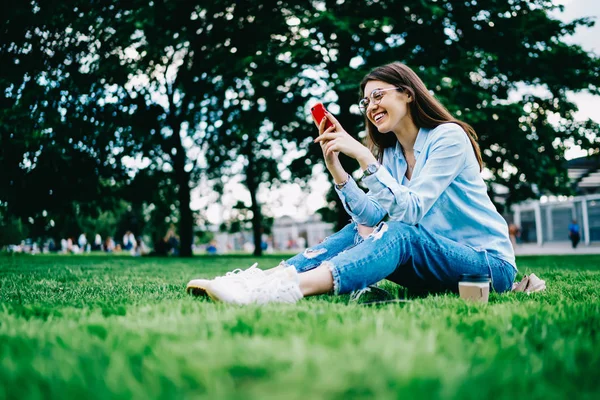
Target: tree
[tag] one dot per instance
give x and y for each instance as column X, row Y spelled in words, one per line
column 156, row 77
column 259, row 111
column 471, row 55
column 52, row 156
column 190, row 91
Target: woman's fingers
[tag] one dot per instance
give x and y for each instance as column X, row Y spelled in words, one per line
column 327, row 135
column 321, row 126
column 329, row 130
column 331, row 118
column 330, row 147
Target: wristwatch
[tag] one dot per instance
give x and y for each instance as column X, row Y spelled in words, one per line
column 371, row 169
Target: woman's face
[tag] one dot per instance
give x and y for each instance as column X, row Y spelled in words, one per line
column 392, row 107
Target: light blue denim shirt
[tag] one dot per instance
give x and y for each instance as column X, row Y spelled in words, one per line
column 446, row 194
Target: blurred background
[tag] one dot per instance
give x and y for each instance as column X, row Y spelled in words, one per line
column 181, row 127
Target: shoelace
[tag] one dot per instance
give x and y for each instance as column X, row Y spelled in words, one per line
column 240, row 273
column 378, row 294
column 354, row 296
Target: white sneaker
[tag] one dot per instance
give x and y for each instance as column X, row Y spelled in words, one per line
column 198, row 287
column 279, row 287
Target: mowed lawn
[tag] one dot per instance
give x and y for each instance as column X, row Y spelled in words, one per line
column 102, row 327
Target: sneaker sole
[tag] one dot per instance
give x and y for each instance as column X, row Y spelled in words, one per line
column 201, row 291
column 213, row 297
column 196, row 291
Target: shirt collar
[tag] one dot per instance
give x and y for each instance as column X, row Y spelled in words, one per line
column 398, row 152
column 421, row 138
column 418, row 147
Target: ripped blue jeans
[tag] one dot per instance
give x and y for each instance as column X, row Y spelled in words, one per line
column 405, row 254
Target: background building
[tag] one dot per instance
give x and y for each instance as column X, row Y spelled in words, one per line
column 289, row 233
column 543, row 222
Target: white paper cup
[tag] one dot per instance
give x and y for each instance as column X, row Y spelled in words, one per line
column 474, row 287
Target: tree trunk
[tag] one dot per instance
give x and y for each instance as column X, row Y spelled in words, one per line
column 252, row 185
column 182, row 179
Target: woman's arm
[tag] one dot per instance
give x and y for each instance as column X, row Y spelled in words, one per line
column 363, row 208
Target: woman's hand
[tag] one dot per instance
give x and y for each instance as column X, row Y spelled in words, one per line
column 335, row 140
column 332, row 159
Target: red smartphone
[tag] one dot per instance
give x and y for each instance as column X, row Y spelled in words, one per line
column 318, row 113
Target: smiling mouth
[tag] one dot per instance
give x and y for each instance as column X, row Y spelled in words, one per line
column 379, row 116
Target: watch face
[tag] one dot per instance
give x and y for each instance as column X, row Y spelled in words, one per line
column 371, row 169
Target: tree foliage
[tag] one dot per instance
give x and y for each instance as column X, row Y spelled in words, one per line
column 472, row 55
column 56, row 145
column 138, row 101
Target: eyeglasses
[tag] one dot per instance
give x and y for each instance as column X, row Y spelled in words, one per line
column 375, row 98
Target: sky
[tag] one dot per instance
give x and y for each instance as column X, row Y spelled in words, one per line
column 589, row 39
column 299, row 203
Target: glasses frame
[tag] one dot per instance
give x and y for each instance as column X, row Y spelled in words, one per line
column 371, row 100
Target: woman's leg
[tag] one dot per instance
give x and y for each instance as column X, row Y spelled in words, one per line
column 316, row 281
column 349, row 236
column 282, row 283
column 436, row 264
column 408, row 255
column 312, row 257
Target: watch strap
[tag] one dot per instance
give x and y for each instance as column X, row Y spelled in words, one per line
column 371, row 169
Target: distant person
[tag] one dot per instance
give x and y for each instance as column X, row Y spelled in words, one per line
column 129, row 241
column 168, row 244
column 64, row 246
column 97, row 242
column 141, row 249
column 426, row 220
column 52, row 247
column 82, row 241
column 574, row 233
column 212, row 247
column 71, row 246
column 172, row 240
column 291, row 243
column 109, row 245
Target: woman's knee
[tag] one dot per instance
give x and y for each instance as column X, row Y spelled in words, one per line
column 364, row 231
column 332, row 244
column 391, row 230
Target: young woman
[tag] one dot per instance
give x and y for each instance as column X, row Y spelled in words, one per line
column 425, row 220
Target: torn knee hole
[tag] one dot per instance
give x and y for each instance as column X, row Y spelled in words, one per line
column 312, row 253
column 379, row 231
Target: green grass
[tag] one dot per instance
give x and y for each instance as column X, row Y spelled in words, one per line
column 119, row 328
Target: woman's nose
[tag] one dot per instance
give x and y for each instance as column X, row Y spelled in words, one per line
column 370, row 107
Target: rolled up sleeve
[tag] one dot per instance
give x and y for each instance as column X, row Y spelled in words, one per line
column 362, row 207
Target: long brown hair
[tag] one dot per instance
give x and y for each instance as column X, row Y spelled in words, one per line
column 426, row 111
